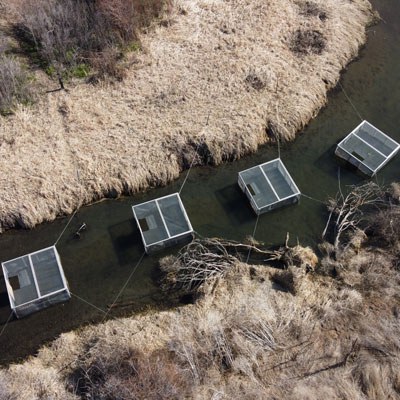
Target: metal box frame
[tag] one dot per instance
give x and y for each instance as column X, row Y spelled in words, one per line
column 268, row 186
column 367, row 148
column 35, row 281
column 162, row 222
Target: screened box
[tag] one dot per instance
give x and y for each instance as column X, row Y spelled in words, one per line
column 35, row 281
column 268, row 186
column 367, row 148
column 162, row 222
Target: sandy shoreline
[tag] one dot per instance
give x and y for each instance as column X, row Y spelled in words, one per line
column 230, row 63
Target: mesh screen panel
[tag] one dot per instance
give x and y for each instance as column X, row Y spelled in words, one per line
column 151, row 223
column 267, row 185
column 21, row 280
column 47, row 273
column 173, row 215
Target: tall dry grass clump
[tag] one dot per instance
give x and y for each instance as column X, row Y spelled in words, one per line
column 223, row 76
column 14, row 80
column 14, row 84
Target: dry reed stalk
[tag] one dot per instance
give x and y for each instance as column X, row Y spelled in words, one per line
column 230, row 63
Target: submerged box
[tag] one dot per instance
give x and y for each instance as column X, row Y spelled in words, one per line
column 35, row 281
column 268, row 186
column 162, row 222
column 367, row 148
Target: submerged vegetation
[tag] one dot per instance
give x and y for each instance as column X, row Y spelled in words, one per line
column 308, row 328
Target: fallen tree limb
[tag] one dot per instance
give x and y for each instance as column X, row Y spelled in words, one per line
column 206, row 258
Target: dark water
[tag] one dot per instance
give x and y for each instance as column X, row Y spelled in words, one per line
column 98, row 265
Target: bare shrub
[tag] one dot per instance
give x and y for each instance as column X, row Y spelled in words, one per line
column 14, row 81
column 366, row 216
column 148, row 10
column 120, row 16
column 14, row 84
column 58, row 29
column 305, row 42
column 106, row 64
column 198, row 261
column 133, row 375
column 385, row 225
column 207, row 258
column 66, row 33
column 349, row 211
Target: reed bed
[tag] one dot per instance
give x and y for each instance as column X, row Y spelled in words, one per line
column 233, row 74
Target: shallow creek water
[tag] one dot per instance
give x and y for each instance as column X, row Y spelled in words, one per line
column 98, row 265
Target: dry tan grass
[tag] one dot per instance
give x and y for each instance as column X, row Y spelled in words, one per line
column 245, row 338
column 254, row 333
column 228, row 62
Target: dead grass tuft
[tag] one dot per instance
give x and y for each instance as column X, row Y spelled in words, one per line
column 285, row 280
column 14, row 84
column 301, row 257
column 305, row 42
column 255, row 81
column 395, row 192
column 133, row 374
column 311, row 9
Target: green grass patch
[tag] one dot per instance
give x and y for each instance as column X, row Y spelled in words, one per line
column 80, row 71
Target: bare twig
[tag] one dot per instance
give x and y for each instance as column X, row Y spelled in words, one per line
column 347, row 212
column 207, row 258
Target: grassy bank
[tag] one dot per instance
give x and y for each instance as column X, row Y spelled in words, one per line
column 230, row 74
column 312, row 329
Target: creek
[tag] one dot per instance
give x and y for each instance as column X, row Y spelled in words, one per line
column 98, row 264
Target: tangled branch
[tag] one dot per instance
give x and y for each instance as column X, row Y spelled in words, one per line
column 347, row 212
column 206, row 258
